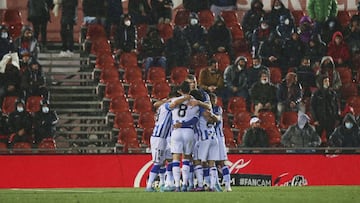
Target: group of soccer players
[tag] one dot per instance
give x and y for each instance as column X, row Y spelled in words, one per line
column 188, row 130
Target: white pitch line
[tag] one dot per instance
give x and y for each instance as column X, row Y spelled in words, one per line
column 54, row 190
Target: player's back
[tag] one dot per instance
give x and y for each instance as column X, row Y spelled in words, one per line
column 217, row 110
column 184, row 112
column 162, row 121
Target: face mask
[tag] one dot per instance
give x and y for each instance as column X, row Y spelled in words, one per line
column 45, row 109
column 127, row 22
column 264, row 26
column 287, row 22
column 193, row 21
column 277, row 7
column 20, row 109
column 4, row 35
column 257, row 66
column 264, row 81
column 239, row 67
column 348, row 125
column 326, row 86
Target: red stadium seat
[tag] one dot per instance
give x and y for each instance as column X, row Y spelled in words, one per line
column 344, row 18
column 354, row 102
column 206, row 18
column 236, row 105
column 287, row 119
column 267, row 118
column 223, row 60
column 274, row 135
column 237, row 32
column 103, row 61
column 114, row 89
column 132, row 74
column 297, row 14
column 160, row 90
column 242, row 120
column 155, row 75
column 128, row 60
column 95, row 31
column 198, row 60
column 3, row 148
column 145, row 138
column 33, row 104
column 12, row 19
column 47, row 146
column 137, row 89
column 275, row 75
column 345, row 74
column 8, row 104
column 100, row 46
column 178, row 74
column 142, row 104
column 21, row 148
column 146, row 120
column 165, row 30
column 229, row 138
column 182, row 17
column 119, row 104
column 132, row 146
column 230, row 18
column 355, row 61
column 109, row 75
column 123, row 120
column 141, row 31
column 348, row 90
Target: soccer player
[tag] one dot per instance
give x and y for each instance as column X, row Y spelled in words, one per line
column 217, row 110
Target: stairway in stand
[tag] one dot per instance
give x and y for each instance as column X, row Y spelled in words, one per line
column 83, row 126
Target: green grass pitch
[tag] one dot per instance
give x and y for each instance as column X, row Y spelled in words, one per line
column 318, row 194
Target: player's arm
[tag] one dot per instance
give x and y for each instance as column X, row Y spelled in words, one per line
column 204, row 105
column 157, row 104
column 179, row 101
column 210, row 117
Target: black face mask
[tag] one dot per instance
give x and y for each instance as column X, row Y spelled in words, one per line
column 328, row 65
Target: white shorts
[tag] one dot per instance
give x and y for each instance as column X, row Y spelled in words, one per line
column 168, row 155
column 196, row 151
column 182, row 141
column 158, row 146
column 208, row 149
column 222, row 149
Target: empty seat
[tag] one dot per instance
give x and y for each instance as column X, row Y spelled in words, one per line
column 345, row 74
column 128, row 60
column 142, row 104
column 103, row 61
column 119, row 104
column 348, row 90
column 354, row 102
column 156, row 74
column 12, row 19
column 165, row 30
column 344, row 17
column 267, row 118
column 206, row 18
column 182, row 17
column 146, row 134
column 160, row 90
column 21, row 148
column 137, row 89
column 146, row 120
column 114, row 89
column 141, row 31
column 109, row 75
column 33, row 104
column 47, row 146
column 178, row 74
column 274, row 135
column 8, row 104
column 287, row 119
column 123, row 120
column 132, row 74
column 242, row 120
column 230, row 18
column 275, row 75
column 236, row 105
column 95, row 31
column 237, row 32
column 198, row 60
column 229, row 138
column 133, row 146
column 223, row 60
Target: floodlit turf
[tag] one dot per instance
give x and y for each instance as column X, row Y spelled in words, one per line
column 316, row 194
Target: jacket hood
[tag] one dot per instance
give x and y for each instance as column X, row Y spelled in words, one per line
column 24, row 29
column 337, row 33
column 253, row 2
column 305, row 19
column 349, row 117
column 327, row 58
column 281, row 3
column 193, row 15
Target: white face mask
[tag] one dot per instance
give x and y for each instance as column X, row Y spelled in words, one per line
column 348, row 125
column 193, row 21
column 45, row 109
column 4, row 35
column 287, row 22
column 264, row 26
column 127, row 22
column 239, row 67
column 326, row 86
column 277, row 7
column 257, row 66
column 20, row 109
column 264, row 81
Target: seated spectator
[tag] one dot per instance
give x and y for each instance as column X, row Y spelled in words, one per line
column 293, row 52
column 278, row 9
column 162, row 10
column 26, row 41
column 236, row 79
column 301, row 134
column 255, row 136
column 289, row 94
column 306, row 29
column 25, row 59
column 6, row 43
column 4, row 129
column 284, row 29
column 315, row 50
column 263, row 94
column 20, row 123
column 339, row 50
column 352, row 35
column 211, row 79
column 177, row 50
column 125, row 35
column 328, row 29
column 306, row 77
column 33, row 81
column 44, row 122
column 196, row 5
column 327, row 67
column 140, row 11
column 260, row 35
column 196, row 34
column 347, row 134
column 219, row 38
column 153, row 50
column 270, row 52
column 252, row 18
column 11, row 78
column 217, row 6
column 255, row 70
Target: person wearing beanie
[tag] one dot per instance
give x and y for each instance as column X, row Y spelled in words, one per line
column 44, row 122
column 347, row 134
column 301, row 134
column 255, row 136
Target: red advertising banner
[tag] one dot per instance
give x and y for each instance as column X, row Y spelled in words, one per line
column 64, row 171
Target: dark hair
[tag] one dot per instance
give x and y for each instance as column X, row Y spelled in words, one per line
column 197, row 94
column 184, row 87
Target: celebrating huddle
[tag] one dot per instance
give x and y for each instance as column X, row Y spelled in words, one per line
column 188, row 128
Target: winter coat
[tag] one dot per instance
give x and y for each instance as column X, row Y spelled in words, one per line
column 343, row 137
column 32, row 79
column 31, row 45
column 296, row 137
column 286, row 95
column 206, row 79
column 94, row 8
column 68, row 12
column 324, row 106
column 255, row 137
column 263, row 93
column 152, row 44
column 274, row 15
column 334, row 76
column 230, row 75
column 224, row 3
column 320, row 10
column 252, row 18
column 177, row 49
column 305, row 76
column 39, row 10
column 306, row 29
column 219, row 36
column 195, row 33
column 316, row 52
column 126, row 37
column 114, row 11
column 340, row 51
column 160, row 9
column 196, row 5
column 44, row 124
column 293, row 52
column 254, row 74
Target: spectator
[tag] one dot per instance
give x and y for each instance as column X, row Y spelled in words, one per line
column 260, row 35
column 6, row 43
column 289, row 94
column 252, row 18
column 263, row 94
column 68, row 20
column 140, row 11
column 217, row 6
column 33, row 81
column 153, row 50
column 270, row 51
column 255, row 136
column 39, row 15
column 306, row 29
column 315, row 50
column 277, row 10
column 44, row 122
column 196, row 5
column 4, row 129
column 24, row 61
column 219, row 38
column 320, row 11
column 301, row 134
column 284, row 29
column 255, row 70
column 20, row 124
column 352, row 35
column 325, row 107
column 293, row 52
column 211, row 79
column 177, row 50
column 328, row 29
column 162, row 10
column 196, row 34
column 306, row 77
column 113, row 14
column 126, row 35
column 339, row 50
column 94, row 11
column 10, row 81
column 27, row 42
column 236, row 79
column 347, row 134
column 327, row 67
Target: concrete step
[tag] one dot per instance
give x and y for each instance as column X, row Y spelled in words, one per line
column 77, row 110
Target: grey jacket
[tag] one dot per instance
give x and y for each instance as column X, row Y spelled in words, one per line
column 296, row 137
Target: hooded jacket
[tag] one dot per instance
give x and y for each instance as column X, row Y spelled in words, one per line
column 195, row 33
column 320, row 10
column 275, row 14
column 219, row 36
column 252, row 18
column 343, row 137
column 230, row 75
column 334, row 76
column 32, row 43
column 294, row 136
column 306, row 30
column 340, row 51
